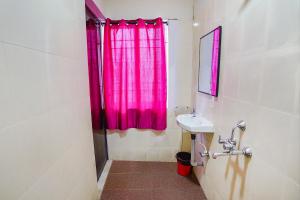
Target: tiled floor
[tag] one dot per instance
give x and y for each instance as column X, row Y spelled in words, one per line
column 128, row 180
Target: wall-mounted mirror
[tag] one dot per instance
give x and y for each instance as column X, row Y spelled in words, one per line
column 209, row 62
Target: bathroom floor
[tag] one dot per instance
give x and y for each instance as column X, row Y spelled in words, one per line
column 133, row 180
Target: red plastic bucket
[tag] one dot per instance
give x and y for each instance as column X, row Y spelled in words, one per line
column 183, row 163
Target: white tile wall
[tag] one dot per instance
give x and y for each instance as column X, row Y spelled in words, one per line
column 144, row 145
column 46, row 147
column 280, row 82
column 259, row 82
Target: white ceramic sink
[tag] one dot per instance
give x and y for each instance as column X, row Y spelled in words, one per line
column 195, row 124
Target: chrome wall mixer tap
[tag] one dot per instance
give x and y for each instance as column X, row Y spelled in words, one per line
column 230, row 144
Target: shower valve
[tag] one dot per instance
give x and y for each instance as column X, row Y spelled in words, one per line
column 229, row 144
column 228, row 141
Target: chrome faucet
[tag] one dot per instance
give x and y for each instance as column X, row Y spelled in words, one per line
column 194, row 112
column 229, row 144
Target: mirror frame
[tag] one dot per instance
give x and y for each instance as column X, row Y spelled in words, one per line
column 218, row 62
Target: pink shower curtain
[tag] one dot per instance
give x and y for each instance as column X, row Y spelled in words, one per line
column 93, row 65
column 135, row 83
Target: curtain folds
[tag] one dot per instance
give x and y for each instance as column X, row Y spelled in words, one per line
column 215, row 62
column 94, row 80
column 135, row 75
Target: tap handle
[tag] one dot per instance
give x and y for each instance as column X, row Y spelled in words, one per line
column 233, row 142
column 204, row 154
column 228, row 147
column 220, row 140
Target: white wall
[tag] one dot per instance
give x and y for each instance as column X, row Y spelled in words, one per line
column 148, row 145
column 46, row 147
column 100, row 4
column 260, row 83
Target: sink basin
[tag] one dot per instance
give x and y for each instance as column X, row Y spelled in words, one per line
column 195, row 124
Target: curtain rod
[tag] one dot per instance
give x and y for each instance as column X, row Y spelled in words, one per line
column 149, row 21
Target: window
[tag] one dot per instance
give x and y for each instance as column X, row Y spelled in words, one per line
column 135, row 74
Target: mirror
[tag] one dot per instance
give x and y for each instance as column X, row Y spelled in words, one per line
column 209, row 62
